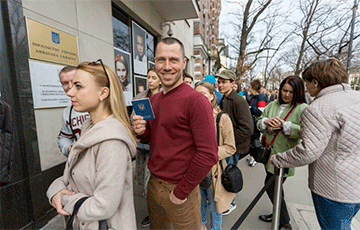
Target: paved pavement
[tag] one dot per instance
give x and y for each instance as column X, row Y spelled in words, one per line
column 297, row 196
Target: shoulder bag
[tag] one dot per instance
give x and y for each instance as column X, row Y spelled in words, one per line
column 231, row 177
column 261, row 151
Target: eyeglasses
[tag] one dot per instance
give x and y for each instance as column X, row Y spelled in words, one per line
column 102, row 64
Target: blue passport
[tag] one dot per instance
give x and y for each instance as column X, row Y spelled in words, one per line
column 142, row 107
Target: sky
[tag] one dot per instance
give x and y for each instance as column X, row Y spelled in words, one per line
column 286, row 8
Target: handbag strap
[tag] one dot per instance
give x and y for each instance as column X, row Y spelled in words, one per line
column 218, row 139
column 217, row 127
column 277, row 132
column 218, row 133
column 75, row 211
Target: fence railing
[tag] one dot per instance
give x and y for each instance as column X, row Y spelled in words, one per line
column 278, row 174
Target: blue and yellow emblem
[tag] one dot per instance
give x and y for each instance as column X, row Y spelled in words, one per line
column 55, row 37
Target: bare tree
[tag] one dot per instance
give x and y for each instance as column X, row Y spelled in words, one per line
column 248, row 24
column 308, row 8
column 324, row 31
column 321, row 31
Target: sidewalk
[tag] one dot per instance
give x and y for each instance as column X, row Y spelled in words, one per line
column 297, row 195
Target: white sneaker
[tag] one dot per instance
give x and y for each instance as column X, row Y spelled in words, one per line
column 229, row 210
column 252, row 162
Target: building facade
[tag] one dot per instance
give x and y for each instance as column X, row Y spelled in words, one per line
column 206, row 34
column 102, row 29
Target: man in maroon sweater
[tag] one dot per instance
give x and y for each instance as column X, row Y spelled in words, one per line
column 183, row 145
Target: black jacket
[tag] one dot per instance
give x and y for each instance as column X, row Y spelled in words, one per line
column 6, row 142
column 239, row 112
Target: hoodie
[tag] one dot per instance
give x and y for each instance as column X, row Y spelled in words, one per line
column 99, row 167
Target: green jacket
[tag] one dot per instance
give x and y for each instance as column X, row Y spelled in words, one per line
column 282, row 141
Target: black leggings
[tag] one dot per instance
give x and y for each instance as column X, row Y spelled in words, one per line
column 284, row 215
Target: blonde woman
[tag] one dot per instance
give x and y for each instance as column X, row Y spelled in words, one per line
column 216, row 197
column 99, row 164
column 154, row 86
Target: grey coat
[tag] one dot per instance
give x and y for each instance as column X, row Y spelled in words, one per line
column 99, row 166
column 330, row 132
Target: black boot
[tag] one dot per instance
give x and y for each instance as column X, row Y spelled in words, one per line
column 266, row 218
column 285, row 227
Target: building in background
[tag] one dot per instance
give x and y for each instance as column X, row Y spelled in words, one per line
column 354, row 76
column 219, row 56
column 206, row 34
column 108, row 30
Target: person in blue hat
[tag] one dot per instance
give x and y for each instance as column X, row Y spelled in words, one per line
column 211, row 79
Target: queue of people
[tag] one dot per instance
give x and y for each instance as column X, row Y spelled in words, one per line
column 215, row 197
column 194, row 133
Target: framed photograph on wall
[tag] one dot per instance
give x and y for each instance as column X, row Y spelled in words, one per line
column 140, row 84
column 150, row 43
column 151, row 64
column 139, row 49
column 124, row 73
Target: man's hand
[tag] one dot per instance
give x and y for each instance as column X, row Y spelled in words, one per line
column 56, row 201
column 139, row 124
column 176, row 200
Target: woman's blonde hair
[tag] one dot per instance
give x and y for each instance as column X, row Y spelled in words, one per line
column 211, row 89
column 115, row 102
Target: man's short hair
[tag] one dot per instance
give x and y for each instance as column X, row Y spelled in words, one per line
column 67, row 69
column 188, row 76
column 256, row 85
column 170, row 41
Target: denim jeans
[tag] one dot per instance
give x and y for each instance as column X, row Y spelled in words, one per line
column 230, row 160
column 332, row 214
column 207, row 200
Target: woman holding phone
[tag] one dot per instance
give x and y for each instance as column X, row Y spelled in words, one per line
column 280, row 125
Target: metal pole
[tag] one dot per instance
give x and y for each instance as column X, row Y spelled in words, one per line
column 348, row 63
column 279, row 172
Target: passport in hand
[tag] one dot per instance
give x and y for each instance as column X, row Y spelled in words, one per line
column 142, row 107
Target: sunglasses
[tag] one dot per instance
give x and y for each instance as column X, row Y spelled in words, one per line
column 102, row 64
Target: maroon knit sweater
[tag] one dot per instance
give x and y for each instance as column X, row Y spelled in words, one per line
column 183, row 145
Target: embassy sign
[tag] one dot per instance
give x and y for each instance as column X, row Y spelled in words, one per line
column 49, row 44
